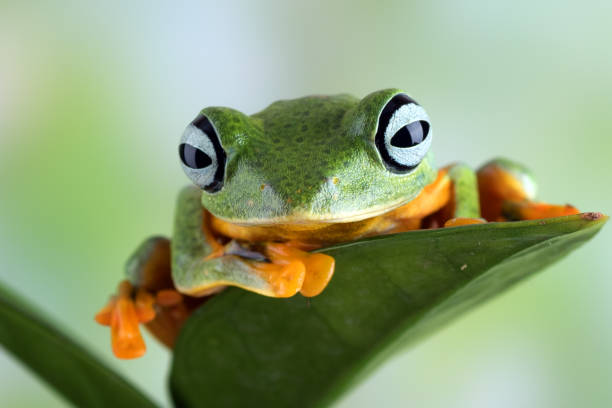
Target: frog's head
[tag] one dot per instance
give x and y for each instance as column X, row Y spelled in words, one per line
column 310, row 160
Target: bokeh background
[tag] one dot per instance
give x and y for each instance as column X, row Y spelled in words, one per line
column 94, row 95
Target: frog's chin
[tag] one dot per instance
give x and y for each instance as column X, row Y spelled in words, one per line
column 312, row 229
column 312, row 218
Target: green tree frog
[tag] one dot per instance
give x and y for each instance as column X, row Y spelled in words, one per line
column 300, row 175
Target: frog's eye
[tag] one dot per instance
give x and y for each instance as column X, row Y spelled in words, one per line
column 202, row 155
column 403, row 136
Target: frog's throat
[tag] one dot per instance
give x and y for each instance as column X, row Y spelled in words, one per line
column 305, row 219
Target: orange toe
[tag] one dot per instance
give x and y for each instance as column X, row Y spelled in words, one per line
column 126, row 340
column 103, row 317
column 285, row 279
column 123, row 313
column 320, row 269
column 168, row 297
column 144, row 306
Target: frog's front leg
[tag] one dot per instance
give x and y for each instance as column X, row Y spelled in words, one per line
column 507, row 193
column 198, row 264
column 203, row 263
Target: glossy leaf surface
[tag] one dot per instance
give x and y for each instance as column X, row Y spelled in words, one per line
column 243, row 349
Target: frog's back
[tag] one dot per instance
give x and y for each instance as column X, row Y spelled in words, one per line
column 303, row 144
column 307, row 121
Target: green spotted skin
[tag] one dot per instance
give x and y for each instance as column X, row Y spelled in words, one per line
column 310, row 159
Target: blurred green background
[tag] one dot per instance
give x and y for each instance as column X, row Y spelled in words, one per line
column 93, row 99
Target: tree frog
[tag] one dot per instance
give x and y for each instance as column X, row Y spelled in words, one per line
column 300, row 175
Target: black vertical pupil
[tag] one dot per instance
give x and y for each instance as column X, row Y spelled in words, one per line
column 411, row 134
column 194, row 157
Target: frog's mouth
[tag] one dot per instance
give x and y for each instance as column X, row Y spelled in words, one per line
column 312, row 229
column 312, row 218
column 402, row 213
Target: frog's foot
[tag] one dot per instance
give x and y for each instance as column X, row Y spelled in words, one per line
column 507, row 191
column 318, row 268
column 123, row 313
column 163, row 314
column 148, row 297
column 284, row 279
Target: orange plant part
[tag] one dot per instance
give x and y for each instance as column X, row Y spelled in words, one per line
column 123, row 314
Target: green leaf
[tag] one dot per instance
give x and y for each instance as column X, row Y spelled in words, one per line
column 57, row 359
column 242, row 349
